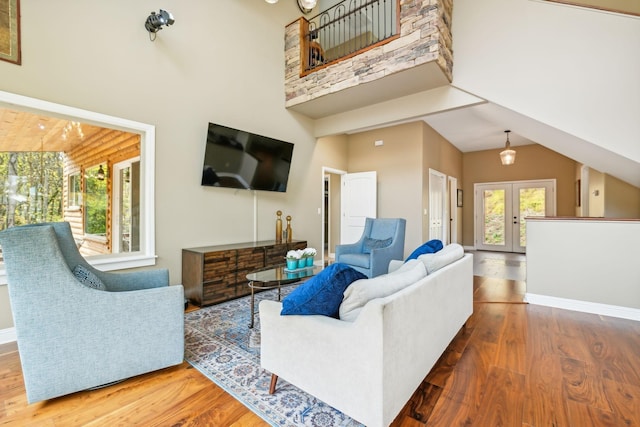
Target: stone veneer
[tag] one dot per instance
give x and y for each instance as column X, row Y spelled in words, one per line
column 425, row 36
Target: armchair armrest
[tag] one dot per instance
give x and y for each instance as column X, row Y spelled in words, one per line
column 349, row 248
column 134, row 280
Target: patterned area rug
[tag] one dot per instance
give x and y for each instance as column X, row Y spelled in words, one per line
column 219, row 343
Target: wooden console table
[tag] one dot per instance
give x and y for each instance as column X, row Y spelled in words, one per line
column 213, row 274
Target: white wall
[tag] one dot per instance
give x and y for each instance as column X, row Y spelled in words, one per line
column 571, row 68
column 221, row 61
column 587, row 265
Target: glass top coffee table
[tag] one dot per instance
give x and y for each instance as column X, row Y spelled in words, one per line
column 275, row 277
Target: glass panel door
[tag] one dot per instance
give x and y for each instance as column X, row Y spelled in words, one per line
column 494, row 208
column 502, row 209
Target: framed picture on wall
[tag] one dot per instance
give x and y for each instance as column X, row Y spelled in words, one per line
column 459, row 199
column 10, row 31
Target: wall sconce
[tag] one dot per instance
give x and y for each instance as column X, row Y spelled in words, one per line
column 155, row 21
column 508, row 156
column 101, row 175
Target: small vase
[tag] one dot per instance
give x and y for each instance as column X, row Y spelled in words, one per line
column 309, row 261
column 302, row 262
column 292, row 264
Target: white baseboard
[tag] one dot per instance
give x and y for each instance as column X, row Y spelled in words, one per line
column 584, row 306
column 7, row 335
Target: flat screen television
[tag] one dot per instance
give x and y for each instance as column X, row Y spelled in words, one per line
column 238, row 159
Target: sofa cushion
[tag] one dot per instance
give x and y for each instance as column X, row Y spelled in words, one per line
column 430, row 247
column 449, row 254
column 87, row 278
column 322, row 294
column 359, row 260
column 370, row 244
column 360, row 292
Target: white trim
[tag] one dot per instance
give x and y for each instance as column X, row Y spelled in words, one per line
column 146, row 256
column 584, row 306
column 8, row 335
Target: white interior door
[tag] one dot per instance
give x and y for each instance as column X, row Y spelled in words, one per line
column 437, row 206
column 501, row 209
column 358, row 200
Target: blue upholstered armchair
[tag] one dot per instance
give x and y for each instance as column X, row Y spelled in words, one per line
column 382, row 240
column 74, row 336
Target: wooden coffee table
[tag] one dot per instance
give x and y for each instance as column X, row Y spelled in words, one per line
column 275, row 277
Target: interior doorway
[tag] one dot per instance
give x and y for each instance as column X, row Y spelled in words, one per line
column 501, row 209
column 331, row 193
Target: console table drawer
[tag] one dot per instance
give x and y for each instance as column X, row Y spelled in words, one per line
column 213, row 274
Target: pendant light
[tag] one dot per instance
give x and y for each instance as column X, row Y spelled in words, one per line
column 507, row 156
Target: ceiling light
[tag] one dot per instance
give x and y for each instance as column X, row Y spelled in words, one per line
column 271, row 1
column 307, row 5
column 508, row 156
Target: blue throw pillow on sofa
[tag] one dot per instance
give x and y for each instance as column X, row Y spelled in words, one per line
column 322, row 294
column 430, row 247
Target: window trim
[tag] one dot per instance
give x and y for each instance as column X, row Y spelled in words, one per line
column 146, row 256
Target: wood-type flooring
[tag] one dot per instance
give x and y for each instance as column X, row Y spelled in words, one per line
column 514, row 364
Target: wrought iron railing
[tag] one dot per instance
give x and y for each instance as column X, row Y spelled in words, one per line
column 346, row 29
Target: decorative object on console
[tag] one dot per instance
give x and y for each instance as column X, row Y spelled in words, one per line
column 279, row 227
column 289, row 230
column 155, row 21
column 507, row 156
column 306, row 6
column 309, row 253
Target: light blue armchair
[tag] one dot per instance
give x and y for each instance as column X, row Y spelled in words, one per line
column 71, row 336
column 382, row 240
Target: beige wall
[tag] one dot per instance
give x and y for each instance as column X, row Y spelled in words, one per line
column 596, row 193
column 441, row 155
column 622, row 200
column 193, row 73
column 399, row 168
column 532, row 162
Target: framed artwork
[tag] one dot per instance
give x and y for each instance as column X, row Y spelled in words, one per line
column 10, row 31
column 459, row 198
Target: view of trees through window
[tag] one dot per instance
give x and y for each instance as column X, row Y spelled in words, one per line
column 95, row 221
column 531, row 203
column 31, row 187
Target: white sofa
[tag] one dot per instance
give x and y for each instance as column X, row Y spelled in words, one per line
column 369, row 368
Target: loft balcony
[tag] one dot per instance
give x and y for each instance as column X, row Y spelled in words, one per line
column 362, row 52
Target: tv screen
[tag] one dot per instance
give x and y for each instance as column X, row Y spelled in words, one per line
column 237, row 159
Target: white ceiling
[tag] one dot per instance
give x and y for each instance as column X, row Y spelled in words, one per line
column 476, row 128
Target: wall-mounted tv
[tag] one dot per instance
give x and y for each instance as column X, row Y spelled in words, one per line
column 237, row 159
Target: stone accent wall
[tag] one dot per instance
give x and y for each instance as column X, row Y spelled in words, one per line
column 425, row 36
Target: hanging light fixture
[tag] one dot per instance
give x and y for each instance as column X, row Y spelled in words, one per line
column 508, row 156
column 307, row 6
column 100, row 175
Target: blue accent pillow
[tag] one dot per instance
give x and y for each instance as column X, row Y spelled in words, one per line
column 322, row 294
column 430, row 247
column 370, row 244
column 87, row 278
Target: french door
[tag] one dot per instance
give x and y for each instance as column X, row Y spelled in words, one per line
column 501, row 209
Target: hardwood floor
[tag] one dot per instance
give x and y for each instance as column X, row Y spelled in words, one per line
column 514, row 364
